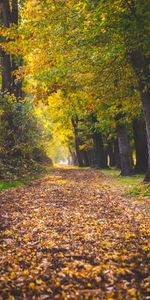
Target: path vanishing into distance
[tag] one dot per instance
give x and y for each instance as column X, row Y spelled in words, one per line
column 72, row 235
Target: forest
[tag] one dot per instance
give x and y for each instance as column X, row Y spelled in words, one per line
column 74, row 107
column 75, row 84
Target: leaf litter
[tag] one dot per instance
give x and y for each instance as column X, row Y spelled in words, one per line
column 71, row 235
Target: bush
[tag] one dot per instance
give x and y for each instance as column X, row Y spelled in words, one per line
column 20, row 135
column 18, row 128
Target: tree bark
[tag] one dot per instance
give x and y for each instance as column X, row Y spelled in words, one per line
column 105, row 160
column 6, row 14
column 124, row 151
column 10, row 64
column 140, row 64
column 73, row 160
column 140, row 146
column 16, row 62
column 5, row 58
column 14, row 14
column 111, row 154
column 146, row 107
column 117, row 154
column 100, row 154
column 85, row 158
column 77, row 141
column 6, row 72
column 91, row 157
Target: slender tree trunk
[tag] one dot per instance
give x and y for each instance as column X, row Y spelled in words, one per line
column 5, row 58
column 111, row 154
column 16, row 61
column 6, row 14
column 100, row 154
column 124, row 151
column 91, row 157
column 10, row 64
column 85, row 158
column 146, row 108
column 140, row 146
column 105, row 159
column 140, row 64
column 77, row 141
column 14, row 14
column 117, row 154
column 6, row 72
column 98, row 149
column 73, row 160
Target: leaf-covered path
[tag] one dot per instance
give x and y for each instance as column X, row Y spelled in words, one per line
column 72, row 236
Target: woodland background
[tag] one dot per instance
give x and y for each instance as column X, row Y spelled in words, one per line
column 75, row 84
column 75, row 87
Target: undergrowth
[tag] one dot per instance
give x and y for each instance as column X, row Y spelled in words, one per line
column 132, row 185
column 26, row 177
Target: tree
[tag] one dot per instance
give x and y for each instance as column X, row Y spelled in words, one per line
column 127, row 24
column 89, row 47
column 6, row 61
column 140, row 145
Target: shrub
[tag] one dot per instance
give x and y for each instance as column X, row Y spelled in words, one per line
column 20, row 135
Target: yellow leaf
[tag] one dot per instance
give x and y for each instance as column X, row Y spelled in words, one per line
column 89, row 284
column 31, row 285
column 10, row 297
column 26, row 238
column 25, row 272
column 57, row 283
column 145, row 248
column 55, row 234
column 12, row 275
column 8, row 232
column 38, row 281
column 132, row 292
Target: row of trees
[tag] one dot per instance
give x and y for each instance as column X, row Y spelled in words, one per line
column 24, row 130
column 88, row 61
column 93, row 136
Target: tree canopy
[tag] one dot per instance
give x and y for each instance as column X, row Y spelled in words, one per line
column 81, row 58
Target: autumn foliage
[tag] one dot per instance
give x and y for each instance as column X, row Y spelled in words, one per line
column 71, row 235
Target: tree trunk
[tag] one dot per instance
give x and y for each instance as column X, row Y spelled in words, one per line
column 16, row 61
column 6, row 61
column 73, row 160
column 140, row 64
column 14, row 14
column 100, row 155
column 10, row 64
column 124, row 151
column 6, row 72
column 85, row 158
column 140, row 146
column 77, row 141
column 111, row 154
column 105, row 159
column 91, row 157
column 146, row 108
column 6, row 15
column 117, row 154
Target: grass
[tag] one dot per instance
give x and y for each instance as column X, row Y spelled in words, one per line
column 8, row 184
column 133, row 185
column 12, row 184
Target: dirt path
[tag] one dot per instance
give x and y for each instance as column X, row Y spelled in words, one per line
column 72, row 236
